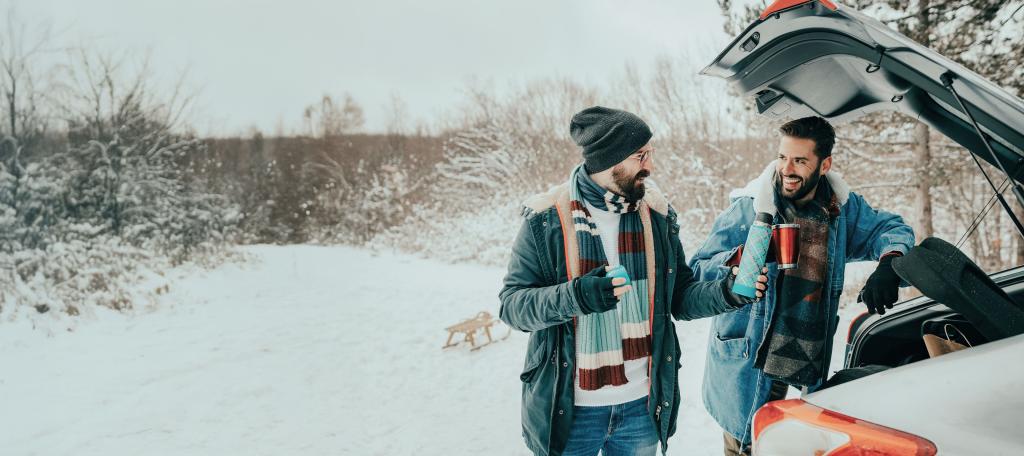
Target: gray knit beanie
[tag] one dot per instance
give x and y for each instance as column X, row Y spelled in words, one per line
column 607, row 136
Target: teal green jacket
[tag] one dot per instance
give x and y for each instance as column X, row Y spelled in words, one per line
column 539, row 298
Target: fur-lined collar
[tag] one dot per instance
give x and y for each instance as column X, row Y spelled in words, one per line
column 540, row 202
column 762, row 189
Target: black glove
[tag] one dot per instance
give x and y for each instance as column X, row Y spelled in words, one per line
column 595, row 292
column 882, row 288
column 734, row 299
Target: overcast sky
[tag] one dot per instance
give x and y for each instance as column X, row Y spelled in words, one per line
column 260, row 62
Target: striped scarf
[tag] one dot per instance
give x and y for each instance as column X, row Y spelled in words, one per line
column 604, row 341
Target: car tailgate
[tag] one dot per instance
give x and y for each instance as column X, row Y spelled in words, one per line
column 967, row 402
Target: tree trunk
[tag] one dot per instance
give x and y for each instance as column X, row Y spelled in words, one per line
column 12, row 102
column 923, row 195
column 922, row 146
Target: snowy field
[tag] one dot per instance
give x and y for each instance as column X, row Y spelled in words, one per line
column 303, row 350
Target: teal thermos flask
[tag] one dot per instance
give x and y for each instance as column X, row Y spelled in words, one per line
column 755, row 252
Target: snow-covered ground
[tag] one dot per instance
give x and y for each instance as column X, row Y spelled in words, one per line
column 304, row 350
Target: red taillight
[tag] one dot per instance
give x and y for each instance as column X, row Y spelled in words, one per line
column 794, row 428
column 780, row 5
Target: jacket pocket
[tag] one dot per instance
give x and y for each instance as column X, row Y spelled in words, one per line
column 735, row 348
column 535, row 357
column 732, row 325
column 532, row 366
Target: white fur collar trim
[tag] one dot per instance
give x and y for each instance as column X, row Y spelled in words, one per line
column 761, row 189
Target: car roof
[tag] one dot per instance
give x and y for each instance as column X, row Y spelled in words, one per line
column 811, row 59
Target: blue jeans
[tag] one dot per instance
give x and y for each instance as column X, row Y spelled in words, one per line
column 615, row 430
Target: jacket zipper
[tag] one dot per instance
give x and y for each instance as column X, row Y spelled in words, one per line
column 650, row 317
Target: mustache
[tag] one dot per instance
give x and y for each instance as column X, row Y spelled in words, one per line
column 642, row 173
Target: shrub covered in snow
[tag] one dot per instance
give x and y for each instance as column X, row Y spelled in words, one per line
column 106, row 200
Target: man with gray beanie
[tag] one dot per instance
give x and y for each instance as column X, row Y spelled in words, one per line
column 596, row 275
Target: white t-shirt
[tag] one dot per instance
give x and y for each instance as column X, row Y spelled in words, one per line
column 638, row 383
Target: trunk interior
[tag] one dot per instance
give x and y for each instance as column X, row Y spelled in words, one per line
column 897, row 339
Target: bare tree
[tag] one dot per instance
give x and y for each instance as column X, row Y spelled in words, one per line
column 23, row 76
column 332, row 118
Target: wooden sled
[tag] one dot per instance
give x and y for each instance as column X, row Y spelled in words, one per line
column 482, row 321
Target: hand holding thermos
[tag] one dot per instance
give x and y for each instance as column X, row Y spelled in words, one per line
column 744, row 285
column 599, row 290
column 738, row 300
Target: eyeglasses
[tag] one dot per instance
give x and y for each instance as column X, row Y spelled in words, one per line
column 644, row 155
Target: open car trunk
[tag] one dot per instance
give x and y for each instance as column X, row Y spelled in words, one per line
column 839, row 64
column 816, row 58
column 960, row 304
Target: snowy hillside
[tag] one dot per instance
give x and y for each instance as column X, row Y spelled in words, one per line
column 305, row 350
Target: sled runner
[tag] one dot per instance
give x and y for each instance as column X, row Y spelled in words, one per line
column 482, row 321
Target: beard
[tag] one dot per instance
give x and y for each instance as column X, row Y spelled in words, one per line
column 630, row 186
column 806, row 185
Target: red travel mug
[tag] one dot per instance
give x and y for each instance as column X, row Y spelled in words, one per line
column 786, row 243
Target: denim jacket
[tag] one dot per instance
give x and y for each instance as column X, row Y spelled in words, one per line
column 733, row 388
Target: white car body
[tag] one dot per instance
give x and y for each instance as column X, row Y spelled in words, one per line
column 966, row 403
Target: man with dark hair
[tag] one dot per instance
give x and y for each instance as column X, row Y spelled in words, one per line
column 600, row 371
column 757, row 352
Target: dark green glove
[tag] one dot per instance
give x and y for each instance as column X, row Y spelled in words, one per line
column 595, row 292
column 882, row 288
column 734, row 299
